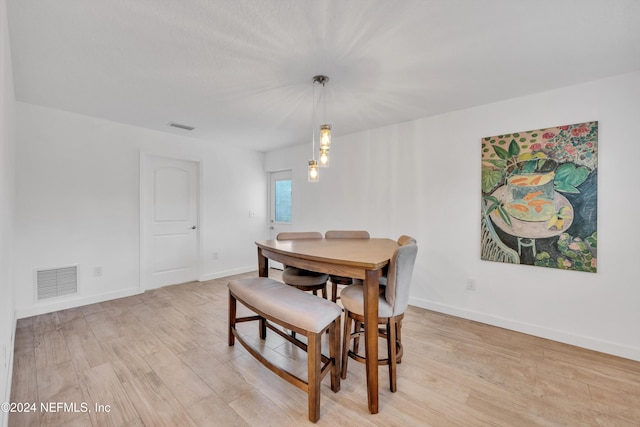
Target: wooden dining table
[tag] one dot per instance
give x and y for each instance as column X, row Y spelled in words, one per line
column 358, row 258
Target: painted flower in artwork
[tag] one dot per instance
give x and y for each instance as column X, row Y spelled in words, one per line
column 580, row 131
column 575, row 254
column 570, row 149
column 573, row 143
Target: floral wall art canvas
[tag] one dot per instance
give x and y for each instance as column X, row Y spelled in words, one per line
column 539, row 197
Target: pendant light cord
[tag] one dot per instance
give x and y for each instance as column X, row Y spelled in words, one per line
column 324, row 103
column 313, row 125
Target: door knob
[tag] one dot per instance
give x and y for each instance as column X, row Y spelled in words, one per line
column 193, row 227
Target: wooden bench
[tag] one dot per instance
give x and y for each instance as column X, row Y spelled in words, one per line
column 308, row 315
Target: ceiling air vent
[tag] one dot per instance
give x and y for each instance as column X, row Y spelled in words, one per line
column 57, row 282
column 181, row 126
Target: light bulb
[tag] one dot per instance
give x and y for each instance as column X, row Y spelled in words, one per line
column 324, row 158
column 325, row 137
column 313, row 174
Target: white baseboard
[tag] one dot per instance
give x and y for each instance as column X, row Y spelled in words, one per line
column 226, row 273
column 615, row 349
column 75, row 301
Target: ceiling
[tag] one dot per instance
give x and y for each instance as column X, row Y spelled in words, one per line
column 241, row 71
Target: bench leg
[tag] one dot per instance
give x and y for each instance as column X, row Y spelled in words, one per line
column 232, row 319
column 263, row 328
column 346, row 340
column 314, row 361
column 334, row 354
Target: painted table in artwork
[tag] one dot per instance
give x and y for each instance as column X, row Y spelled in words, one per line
column 528, row 231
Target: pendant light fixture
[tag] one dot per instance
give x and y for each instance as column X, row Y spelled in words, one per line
column 325, row 143
column 325, row 133
column 313, row 175
column 325, row 129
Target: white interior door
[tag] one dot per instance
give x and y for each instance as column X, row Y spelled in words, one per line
column 169, row 221
column 280, row 206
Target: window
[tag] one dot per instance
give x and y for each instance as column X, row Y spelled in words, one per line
column 282, row 195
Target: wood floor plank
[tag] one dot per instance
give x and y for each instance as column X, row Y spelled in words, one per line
column 24, row 388
column 101, row 386
column 187, row 387
column 73, row 414
column 155, row 403
column 90, row 309
column 103, row 326
column 162, row 358
column 125, row 360
column 625, row 404
column 257, row 410
column 68, row 315
column 285, row 396
column 82, row 344
column 46, row 323
column 221, row 378
column 51, row 349
column 55, row 380
column 213, row 411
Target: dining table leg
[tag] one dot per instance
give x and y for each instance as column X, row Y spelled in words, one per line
column 263, row 271
column 263, row 264
column 371, row 281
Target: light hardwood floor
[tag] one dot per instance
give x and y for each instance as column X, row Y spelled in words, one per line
column 161, row 359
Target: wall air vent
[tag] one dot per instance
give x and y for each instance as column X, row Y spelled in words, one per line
column 57, row 282
column 181, row 126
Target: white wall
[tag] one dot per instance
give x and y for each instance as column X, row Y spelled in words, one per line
column 423, row 178
column 7, row 207
column 77, row 185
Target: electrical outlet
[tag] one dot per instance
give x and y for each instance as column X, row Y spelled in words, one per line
column 97, row 271
column 471, row 285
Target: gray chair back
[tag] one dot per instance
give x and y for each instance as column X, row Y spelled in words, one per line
column 399, row 277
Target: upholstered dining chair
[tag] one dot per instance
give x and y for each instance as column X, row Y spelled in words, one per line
column 402, row 240
column 405, row 240
column 342, row 280
column 392, row 304
column 304, row 279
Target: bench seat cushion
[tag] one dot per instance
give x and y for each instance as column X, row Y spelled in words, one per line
column 282, row 302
